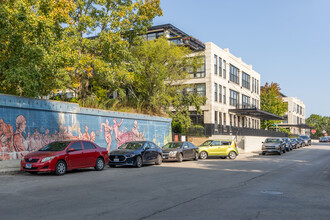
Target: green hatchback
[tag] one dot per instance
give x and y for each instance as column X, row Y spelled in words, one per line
column 222, row 148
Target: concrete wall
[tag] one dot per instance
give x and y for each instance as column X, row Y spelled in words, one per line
column 28, row 124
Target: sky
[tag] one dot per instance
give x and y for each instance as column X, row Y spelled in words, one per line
column 286, row 41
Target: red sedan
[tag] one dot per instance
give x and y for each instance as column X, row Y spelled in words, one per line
column 60, row 156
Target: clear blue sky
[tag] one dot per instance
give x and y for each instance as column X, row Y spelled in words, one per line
column 287, row 42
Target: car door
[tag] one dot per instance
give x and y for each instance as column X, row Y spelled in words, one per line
column 90, row 153
column 224, row 145
column 154, row 151
column 185, row 150
column 147, row 152
column 214, row 148
column 76, row 158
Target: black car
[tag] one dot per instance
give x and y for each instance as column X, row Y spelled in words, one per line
column 301, row 142
column 136, row 153
column 306, row 139
column 180, row 151
column 288, row 145
column 294, row 143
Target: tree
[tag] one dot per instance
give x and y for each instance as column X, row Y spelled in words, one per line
column 29, row 30
column 159, row 70
column 100, row 65
column 320, row 123
column 271, row 101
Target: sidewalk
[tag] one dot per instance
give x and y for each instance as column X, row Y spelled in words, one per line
column 10, row 167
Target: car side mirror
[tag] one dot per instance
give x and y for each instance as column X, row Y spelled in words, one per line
column 71, row 150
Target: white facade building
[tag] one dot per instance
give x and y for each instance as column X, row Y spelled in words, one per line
column 295, row 115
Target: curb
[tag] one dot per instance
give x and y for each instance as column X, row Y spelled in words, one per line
column 10, row 172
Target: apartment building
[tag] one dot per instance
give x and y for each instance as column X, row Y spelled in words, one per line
column 295, row 116
column 231, row 86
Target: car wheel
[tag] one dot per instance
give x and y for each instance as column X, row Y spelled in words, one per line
column 159, row 160
column 180, row 157
column 138, row 162
column 284, row 151
column 99, row 165
column 60, row 168
column 280, row 152
column 263, row 153
column 203, row 155
column 232, row 155
column 196, row 156
column 113, row 166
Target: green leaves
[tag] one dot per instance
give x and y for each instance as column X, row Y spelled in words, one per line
column 271, row 101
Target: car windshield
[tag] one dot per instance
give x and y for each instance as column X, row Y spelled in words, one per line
column 273, row 140
column 55, row 146
column 131, row 146
column 304, row 137
column 172, row 145
column 206, row 143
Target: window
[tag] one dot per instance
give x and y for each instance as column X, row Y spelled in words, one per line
column 196, row 88
column 224, row 95
column 245, row 80
column 76, row 146
column 215, row 92
column 197, row 72
column 215, row 117
column 200, row 89
column 234, row 74
column 224, row 69
column 220, row 66
column 224, row 119
column 233, row 98
column 257, row 86
column 215, row 64
column 245, row 101
column 253, row 84
column 88, row 145
column 220, row 93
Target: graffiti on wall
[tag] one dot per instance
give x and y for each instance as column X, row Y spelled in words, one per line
column 14, row 145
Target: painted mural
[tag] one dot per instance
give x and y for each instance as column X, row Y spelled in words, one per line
column 27, row 125
column 14, row 145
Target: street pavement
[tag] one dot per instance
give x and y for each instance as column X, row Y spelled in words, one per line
column 294, row 185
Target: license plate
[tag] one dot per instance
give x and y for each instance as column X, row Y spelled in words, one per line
column 116, row 160
column 28, row 166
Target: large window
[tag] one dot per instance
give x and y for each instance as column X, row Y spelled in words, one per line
column 245, row 80
column 197, row 88
column 245, row 101
column 253, row 84
column 257, row 86
column 215, row 92
column 220, row 66
column 215, row 64
column 197, row 72
column 234, row 74
column 220, row 93
column 224, row 95
column 224, row 69
column 233, row 98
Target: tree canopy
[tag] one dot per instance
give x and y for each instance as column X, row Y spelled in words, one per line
column 271, row 101
column 320, row 123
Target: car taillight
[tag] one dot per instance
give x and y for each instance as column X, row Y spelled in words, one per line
column 235, row 145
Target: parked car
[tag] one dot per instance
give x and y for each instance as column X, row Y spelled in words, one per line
column 271, row 145
column 60, row 156
column 222, row 148
column 306, row 139
column 180, row 151
column 294, row 143
column 323, row 139
column 136, row 153
column 288, row 145
column 301, row 142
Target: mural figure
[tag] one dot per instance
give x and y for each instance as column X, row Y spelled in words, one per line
column 86, row 135
column 92, row 136
column 19, row 140
column 108, row 130
column 6, row 139
column 136, row 135
column 118, row 133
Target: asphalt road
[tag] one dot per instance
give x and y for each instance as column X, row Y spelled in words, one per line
column 292, row 186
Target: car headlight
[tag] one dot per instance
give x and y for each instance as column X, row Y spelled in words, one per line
column 130, row 155
column 47, row 159
column 172, row 153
